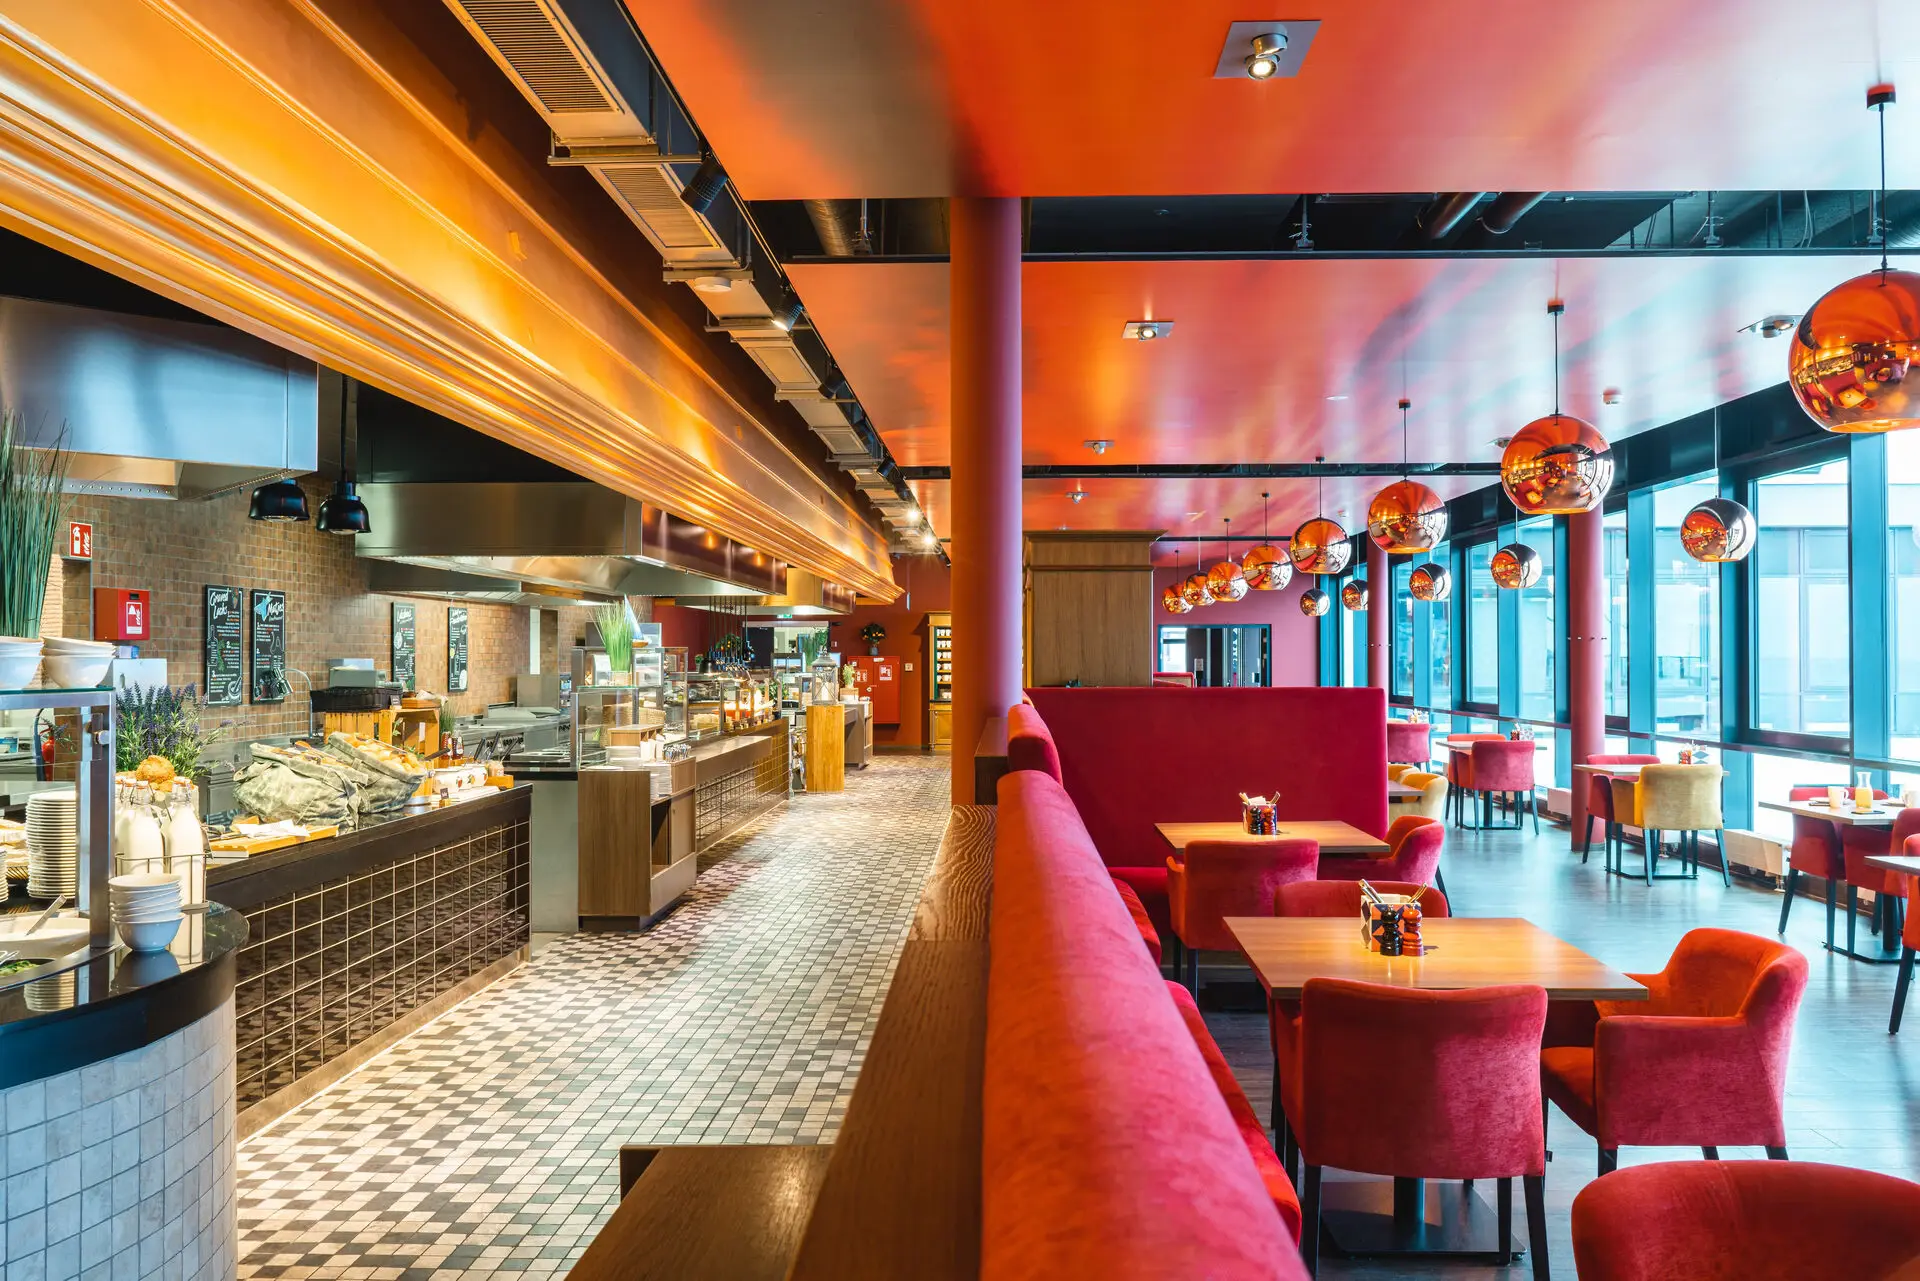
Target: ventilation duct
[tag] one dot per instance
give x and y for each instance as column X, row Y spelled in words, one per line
column 837, row 224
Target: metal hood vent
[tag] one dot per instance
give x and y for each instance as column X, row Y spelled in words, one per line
column 560, row 539
column 807, row 595
column 582, row 65
column 154, row 408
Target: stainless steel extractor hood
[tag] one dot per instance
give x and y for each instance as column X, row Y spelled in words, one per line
column 155, row 408
column 556, row 539
column 806, row 595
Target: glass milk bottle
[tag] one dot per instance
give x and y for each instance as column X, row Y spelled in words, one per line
column 145, row 846
column 187, row 844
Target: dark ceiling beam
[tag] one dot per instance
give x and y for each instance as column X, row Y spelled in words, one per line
column 1219, row 471
column 1262, row 255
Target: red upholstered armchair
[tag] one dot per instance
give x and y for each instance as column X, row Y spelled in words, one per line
column 1701, row 1063
column 1909, row 934
column 1413, row 854
column 1245, row 1119
column 1471, row 1111
column 1030, row 743
column 1600, row 797
column 1815, row 851
column 1754, row 1220
column 1408, row 743
column 1857, row 845
column 1459, row 766
column 1229, row 878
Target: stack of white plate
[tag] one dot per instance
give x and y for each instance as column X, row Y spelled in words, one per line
column 53, row 842
column 19, row 660
column 146, row 909
column 77, row 664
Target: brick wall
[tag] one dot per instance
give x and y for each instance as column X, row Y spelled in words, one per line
column 176, row 549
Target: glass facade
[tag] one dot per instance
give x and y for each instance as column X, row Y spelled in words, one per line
column 1903, row 563
column 1803, row 655
column 1483, row 626
column 1540, row 627
column 1686, row 621
column 1614, row 649
column 1402, row 604
column 1439, row 619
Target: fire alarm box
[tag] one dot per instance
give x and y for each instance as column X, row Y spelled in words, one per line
column 122, row 614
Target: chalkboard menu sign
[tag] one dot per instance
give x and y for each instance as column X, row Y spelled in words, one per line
column 403, row 645
column 269, row 614
column 456, row 650
column 226, row 658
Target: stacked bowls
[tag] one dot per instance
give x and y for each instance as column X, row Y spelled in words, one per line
column 19, row 660
column 77, row 664
column 146, row 909
column 53, row 843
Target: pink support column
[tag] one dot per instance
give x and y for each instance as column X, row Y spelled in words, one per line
column 1379, row 615
column 1586, row 638
column 984, row 281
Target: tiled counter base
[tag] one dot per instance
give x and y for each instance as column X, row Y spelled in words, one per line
column 124, row 1168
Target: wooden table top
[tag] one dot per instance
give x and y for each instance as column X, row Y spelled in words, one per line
column 1398, row 791
column 1463, row 952
column 1334, row 837
column 1539, row 744
column 1895, row 863
column 1611, row 771
column 1881, row 815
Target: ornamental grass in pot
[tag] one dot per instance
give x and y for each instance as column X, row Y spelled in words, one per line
column 31, row 507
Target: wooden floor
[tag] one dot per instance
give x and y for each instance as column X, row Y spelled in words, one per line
column 1853, row 1091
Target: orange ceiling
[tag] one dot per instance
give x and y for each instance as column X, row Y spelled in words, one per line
column 1258, row 347
column 1116, row 97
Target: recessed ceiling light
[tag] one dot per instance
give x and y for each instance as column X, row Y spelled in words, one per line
column 1098, row 446
column 1341, row 397
column 1264, row 62
column 711, row 284
column 1076, row 495
column 1147, row 330
column 1264, row 49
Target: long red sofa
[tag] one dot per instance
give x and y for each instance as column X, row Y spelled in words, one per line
column 1108, row 1149
column 1136, row 756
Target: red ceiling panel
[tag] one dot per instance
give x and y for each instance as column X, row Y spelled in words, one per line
column 1116, row 97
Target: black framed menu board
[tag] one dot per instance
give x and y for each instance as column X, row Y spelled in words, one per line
column 403, row 645
column 456, row 650
column 269, row 615
column 225, row 648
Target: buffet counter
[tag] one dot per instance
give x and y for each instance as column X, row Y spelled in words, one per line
column 355, row 940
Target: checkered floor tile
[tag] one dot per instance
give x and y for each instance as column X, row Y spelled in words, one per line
column 487, row 1142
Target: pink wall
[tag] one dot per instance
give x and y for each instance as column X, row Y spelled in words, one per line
column 1296, row 640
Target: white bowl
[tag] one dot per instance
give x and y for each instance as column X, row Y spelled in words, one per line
column 74, row 645
column 144, row 881
column 147, row 936
column 60, row 934
column 76, row 672
column 16, row 670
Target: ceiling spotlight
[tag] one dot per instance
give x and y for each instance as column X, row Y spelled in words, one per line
column 708, row 181
column 929, row 539
column 1339, row 397
column 1098, row 446
column 1264, row 62
column 1076, row 495
column 787, row 312
column 1147, row 330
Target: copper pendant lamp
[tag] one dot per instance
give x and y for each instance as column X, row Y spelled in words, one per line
column 1314, row 603
column 1718, row 530
column 1431, row 582
column 1266, row 568
column 1194, row 589
column 1558, row 465
column 1515, row 566
column 1320, row 546
column 1853, row 361
column 1173, row 602
column 1406, row 517
column 1225, row 581
column 1354, row 596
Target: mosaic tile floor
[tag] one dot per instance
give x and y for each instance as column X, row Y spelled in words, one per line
column 487, row 1142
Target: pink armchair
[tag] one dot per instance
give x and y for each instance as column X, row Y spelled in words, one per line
column 1408, row 743
column 1701, row 1063
column 1501, row 767
column 1414, row 843
column 1229, row 878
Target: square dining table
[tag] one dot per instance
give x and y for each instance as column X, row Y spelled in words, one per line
column 1398, row 791
column 1881, row 815
column 1335, row 837
column 1408, row 1217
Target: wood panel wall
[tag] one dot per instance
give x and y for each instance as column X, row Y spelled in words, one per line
column 1087, row 594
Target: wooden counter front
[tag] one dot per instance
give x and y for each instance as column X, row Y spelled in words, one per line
column 635, row 857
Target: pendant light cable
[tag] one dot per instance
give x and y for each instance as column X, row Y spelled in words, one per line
column 1883, row 225
column 1263, row 515
column 1554, row 309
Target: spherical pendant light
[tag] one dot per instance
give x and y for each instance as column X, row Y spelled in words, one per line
column 1225, row 581
column 1558, row 465
column 1194, row 589
column 1516, row 565
column 1320, row 547
column 1173, row 602
column 1314, row 603
column 1855, row 360
column 1266, row 568
column 1407, row 516
column 1718, row 530
column 1354, row 596
column 1853, row 355
column 1430, row 582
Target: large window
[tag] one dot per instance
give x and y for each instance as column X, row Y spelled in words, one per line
column 1686, row 621
column 1802, row 649
column 1539, row 627
column 1483, row 627
column 1614, row 650
column 1439, row 622
column 1903, row 561
column 1353, row 634
column 1402, row 604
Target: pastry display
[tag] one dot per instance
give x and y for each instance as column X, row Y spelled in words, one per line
column 155, row 769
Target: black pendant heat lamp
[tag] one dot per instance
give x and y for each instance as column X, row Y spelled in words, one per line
column 343, row 512
column 283, row 500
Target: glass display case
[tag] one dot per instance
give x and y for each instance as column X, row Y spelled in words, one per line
column 660, row 679
column 729, row 704
column 612, row 717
